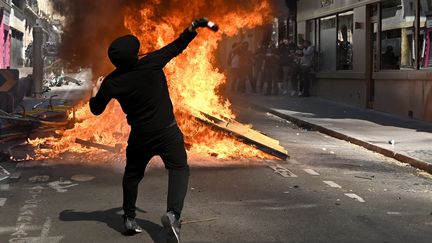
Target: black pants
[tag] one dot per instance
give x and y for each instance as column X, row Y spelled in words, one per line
column 305, row 80
column 169, row 145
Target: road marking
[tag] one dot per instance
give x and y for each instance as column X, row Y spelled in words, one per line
column 332, row 184
column 355, row 196
column 10, row 229
column 311, row 172
column 2, row 201
column 26, row 214
column 60, row 186
column 46, row 227
column 4, row 187
column 4, row 174
column 282, row 171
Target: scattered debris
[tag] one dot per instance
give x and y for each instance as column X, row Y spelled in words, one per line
column 197, row 221
column 60, row 80
column 39, row 178
column 364, row 177
column 338, row 202
column 355, row 197
column 82, row 177
column 392, row 142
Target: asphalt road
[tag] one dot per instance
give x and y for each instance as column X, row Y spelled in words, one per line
column 329, row 191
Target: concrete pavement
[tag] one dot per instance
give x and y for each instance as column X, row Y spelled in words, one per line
column 406, row 140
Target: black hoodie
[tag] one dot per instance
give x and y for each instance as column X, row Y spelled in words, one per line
column 140, row 86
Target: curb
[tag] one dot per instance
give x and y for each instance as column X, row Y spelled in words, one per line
column 386, row 152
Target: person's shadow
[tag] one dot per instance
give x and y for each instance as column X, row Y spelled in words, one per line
column 114, row 220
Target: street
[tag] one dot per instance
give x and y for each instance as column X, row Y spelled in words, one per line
column 328, row 191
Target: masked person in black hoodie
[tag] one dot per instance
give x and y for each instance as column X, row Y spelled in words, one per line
column 140, row 86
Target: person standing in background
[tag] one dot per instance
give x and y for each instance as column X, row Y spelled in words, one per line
column 245, row 67
column 306, row 63
column 233, row 64
column 271, row 69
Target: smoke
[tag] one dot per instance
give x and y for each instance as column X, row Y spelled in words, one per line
column 91, row 25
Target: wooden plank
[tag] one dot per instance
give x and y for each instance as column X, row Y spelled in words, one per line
column 241, row 128
column 247, row 135
column 113, row 149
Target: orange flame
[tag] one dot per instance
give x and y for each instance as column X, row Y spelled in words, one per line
column 193, row 82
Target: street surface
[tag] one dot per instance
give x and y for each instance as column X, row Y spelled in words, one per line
column 329, row 191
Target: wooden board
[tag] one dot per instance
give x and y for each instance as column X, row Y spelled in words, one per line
column 247, row 135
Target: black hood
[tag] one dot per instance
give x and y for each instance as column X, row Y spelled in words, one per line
column 123, row 51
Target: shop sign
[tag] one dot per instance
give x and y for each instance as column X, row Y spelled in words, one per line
column 326, row 3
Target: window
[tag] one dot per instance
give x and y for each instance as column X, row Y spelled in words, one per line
column 336, row 42
column 398, row 34
column 327, row 55
column 345, row 41
column 310, row 28
column 18, row 3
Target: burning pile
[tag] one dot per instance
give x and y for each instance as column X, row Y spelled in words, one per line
column 192, row 76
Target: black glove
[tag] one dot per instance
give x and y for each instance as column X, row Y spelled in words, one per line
column 202, row 22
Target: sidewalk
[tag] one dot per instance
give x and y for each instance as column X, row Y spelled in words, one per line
column 368, row 128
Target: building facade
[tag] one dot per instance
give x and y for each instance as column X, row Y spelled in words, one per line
column 16, row 29
column 5, row 37
column 372, row 54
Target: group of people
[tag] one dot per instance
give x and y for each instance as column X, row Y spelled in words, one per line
column 270, row 70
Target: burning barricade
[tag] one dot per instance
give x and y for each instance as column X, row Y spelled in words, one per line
column 203, row 114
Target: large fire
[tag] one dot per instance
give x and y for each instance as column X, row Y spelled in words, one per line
column 193, row 82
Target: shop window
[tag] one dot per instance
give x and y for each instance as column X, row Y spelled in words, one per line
column 397, row 34
column 425, row 37
column 327, row 55
column 310, row 28
column 345, row 41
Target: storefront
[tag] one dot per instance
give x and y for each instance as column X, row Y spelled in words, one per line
column 375, row 54
column 4, row 38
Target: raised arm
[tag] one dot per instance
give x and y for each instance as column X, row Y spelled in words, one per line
column 162, row 56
